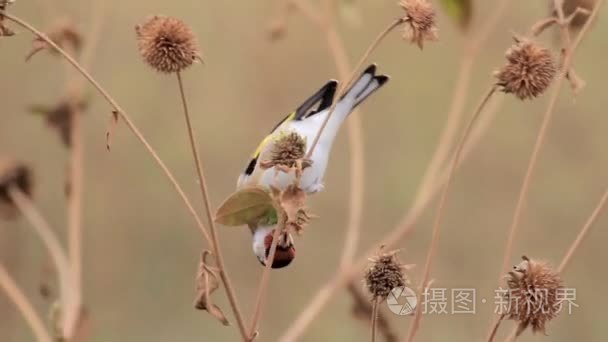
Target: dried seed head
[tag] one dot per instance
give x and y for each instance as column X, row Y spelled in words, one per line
column 59, row 117
column 287, row 149
column 13, row 174
column 529, row 70
column 384, row 274
column 420, row 21
column 533, row 294
column 167, row 44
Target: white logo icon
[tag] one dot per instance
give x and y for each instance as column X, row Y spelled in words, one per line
column 402, row 301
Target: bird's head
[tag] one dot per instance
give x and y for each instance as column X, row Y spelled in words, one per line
column 262, row 241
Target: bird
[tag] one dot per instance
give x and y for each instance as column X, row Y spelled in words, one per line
column 306, row 121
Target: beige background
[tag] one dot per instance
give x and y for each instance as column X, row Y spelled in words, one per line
column 141, row 246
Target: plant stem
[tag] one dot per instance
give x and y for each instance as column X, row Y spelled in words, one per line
column 70, row 297
column 123, row 116
column 374, row 318
column 495, row 328
column 401, row 231
column 14, row 293
column 265, row 280
column 567, row 62
column 441, row 207
column 348, row 82
column 216, row 243
column 583, row 232
column 336, row 48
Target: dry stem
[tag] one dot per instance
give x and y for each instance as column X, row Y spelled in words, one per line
column 583, row 232
column 569, row 51
column 14, row 293
column 426, row 192
column 401, row 231
column 495, row 327
column 203, row 187
column 265, row 280
column 347, row 83
column 70, row 297
column 374, row 318
column 567, row 63
column 440, row 208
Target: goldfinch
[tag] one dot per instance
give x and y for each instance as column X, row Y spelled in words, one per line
column 306, row 120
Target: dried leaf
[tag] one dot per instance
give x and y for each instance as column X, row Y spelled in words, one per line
column 207, row 282
column 293, row 202
column 459, row 10
column 244, row 206
column 111, row 128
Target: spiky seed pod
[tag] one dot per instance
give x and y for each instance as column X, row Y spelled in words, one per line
column 13, row 173
column 420, row 21
column 384, row 274
column 529, row 70
column 287, row 149
column 167, row 44
column 533, row 294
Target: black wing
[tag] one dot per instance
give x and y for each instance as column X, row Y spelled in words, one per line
column 324, row 97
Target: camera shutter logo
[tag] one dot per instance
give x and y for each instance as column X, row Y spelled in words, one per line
column 402, row 301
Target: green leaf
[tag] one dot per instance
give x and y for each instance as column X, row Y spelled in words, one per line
column 459, row 10
column 244, row 206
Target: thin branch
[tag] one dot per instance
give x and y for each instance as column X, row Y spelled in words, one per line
column 401, row 231
column 496, row 325
column 265, row 280
column 362, row 309
column 14, row 293
column 346, row 84
column 123, row 116
column 335, row 45
column 216, row 243
column 583, row 232
column 539, row 141
column 568, row 55
column 441, row 207
column 374, row 318
column 70, row 297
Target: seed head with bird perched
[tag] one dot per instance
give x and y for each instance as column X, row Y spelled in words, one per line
column 305, row 121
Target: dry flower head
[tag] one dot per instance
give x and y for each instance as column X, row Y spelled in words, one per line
column 384, row 274
column 533, row 295
column 529, row 70
column 287, row 150
column 13, row 174
column 167, row 44
column 64, row 34
column 419, row 20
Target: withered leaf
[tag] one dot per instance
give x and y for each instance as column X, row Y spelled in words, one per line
column 293, row 202
column 206, row 283
column 244, row 206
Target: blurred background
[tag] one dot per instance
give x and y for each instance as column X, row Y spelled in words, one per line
column 141, row 246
